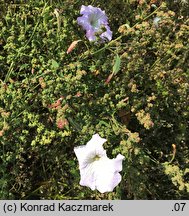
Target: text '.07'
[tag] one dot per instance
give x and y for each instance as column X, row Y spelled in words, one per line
column 179, row 207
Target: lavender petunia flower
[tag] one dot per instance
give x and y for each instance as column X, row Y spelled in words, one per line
column 97, row 171
column 94, row 21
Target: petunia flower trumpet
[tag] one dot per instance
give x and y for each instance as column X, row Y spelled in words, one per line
column 95, row 22
column 97, row 171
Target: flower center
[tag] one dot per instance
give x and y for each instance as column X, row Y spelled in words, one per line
column 93, row 20
column 95, row 158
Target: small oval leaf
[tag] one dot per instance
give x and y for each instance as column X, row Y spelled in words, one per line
column 54, row 64
column 117, row 64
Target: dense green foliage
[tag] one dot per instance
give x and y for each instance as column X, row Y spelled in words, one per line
column 133, row 91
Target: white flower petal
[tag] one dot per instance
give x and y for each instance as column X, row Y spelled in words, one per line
column 156, row 21
column 97, row 171
column 96, row 142
column 107, row 174
column 88, row 176
column 87, row 152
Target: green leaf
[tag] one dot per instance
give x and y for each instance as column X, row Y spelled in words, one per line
column 23, row 66
column 116, row 68
column 54, row 64
column 117, row 64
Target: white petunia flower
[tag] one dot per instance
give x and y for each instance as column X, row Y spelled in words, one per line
column 97, row 171
column 156, row 21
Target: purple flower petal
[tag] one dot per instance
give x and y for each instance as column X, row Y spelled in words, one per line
column 93, row 19
column 107, row 35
